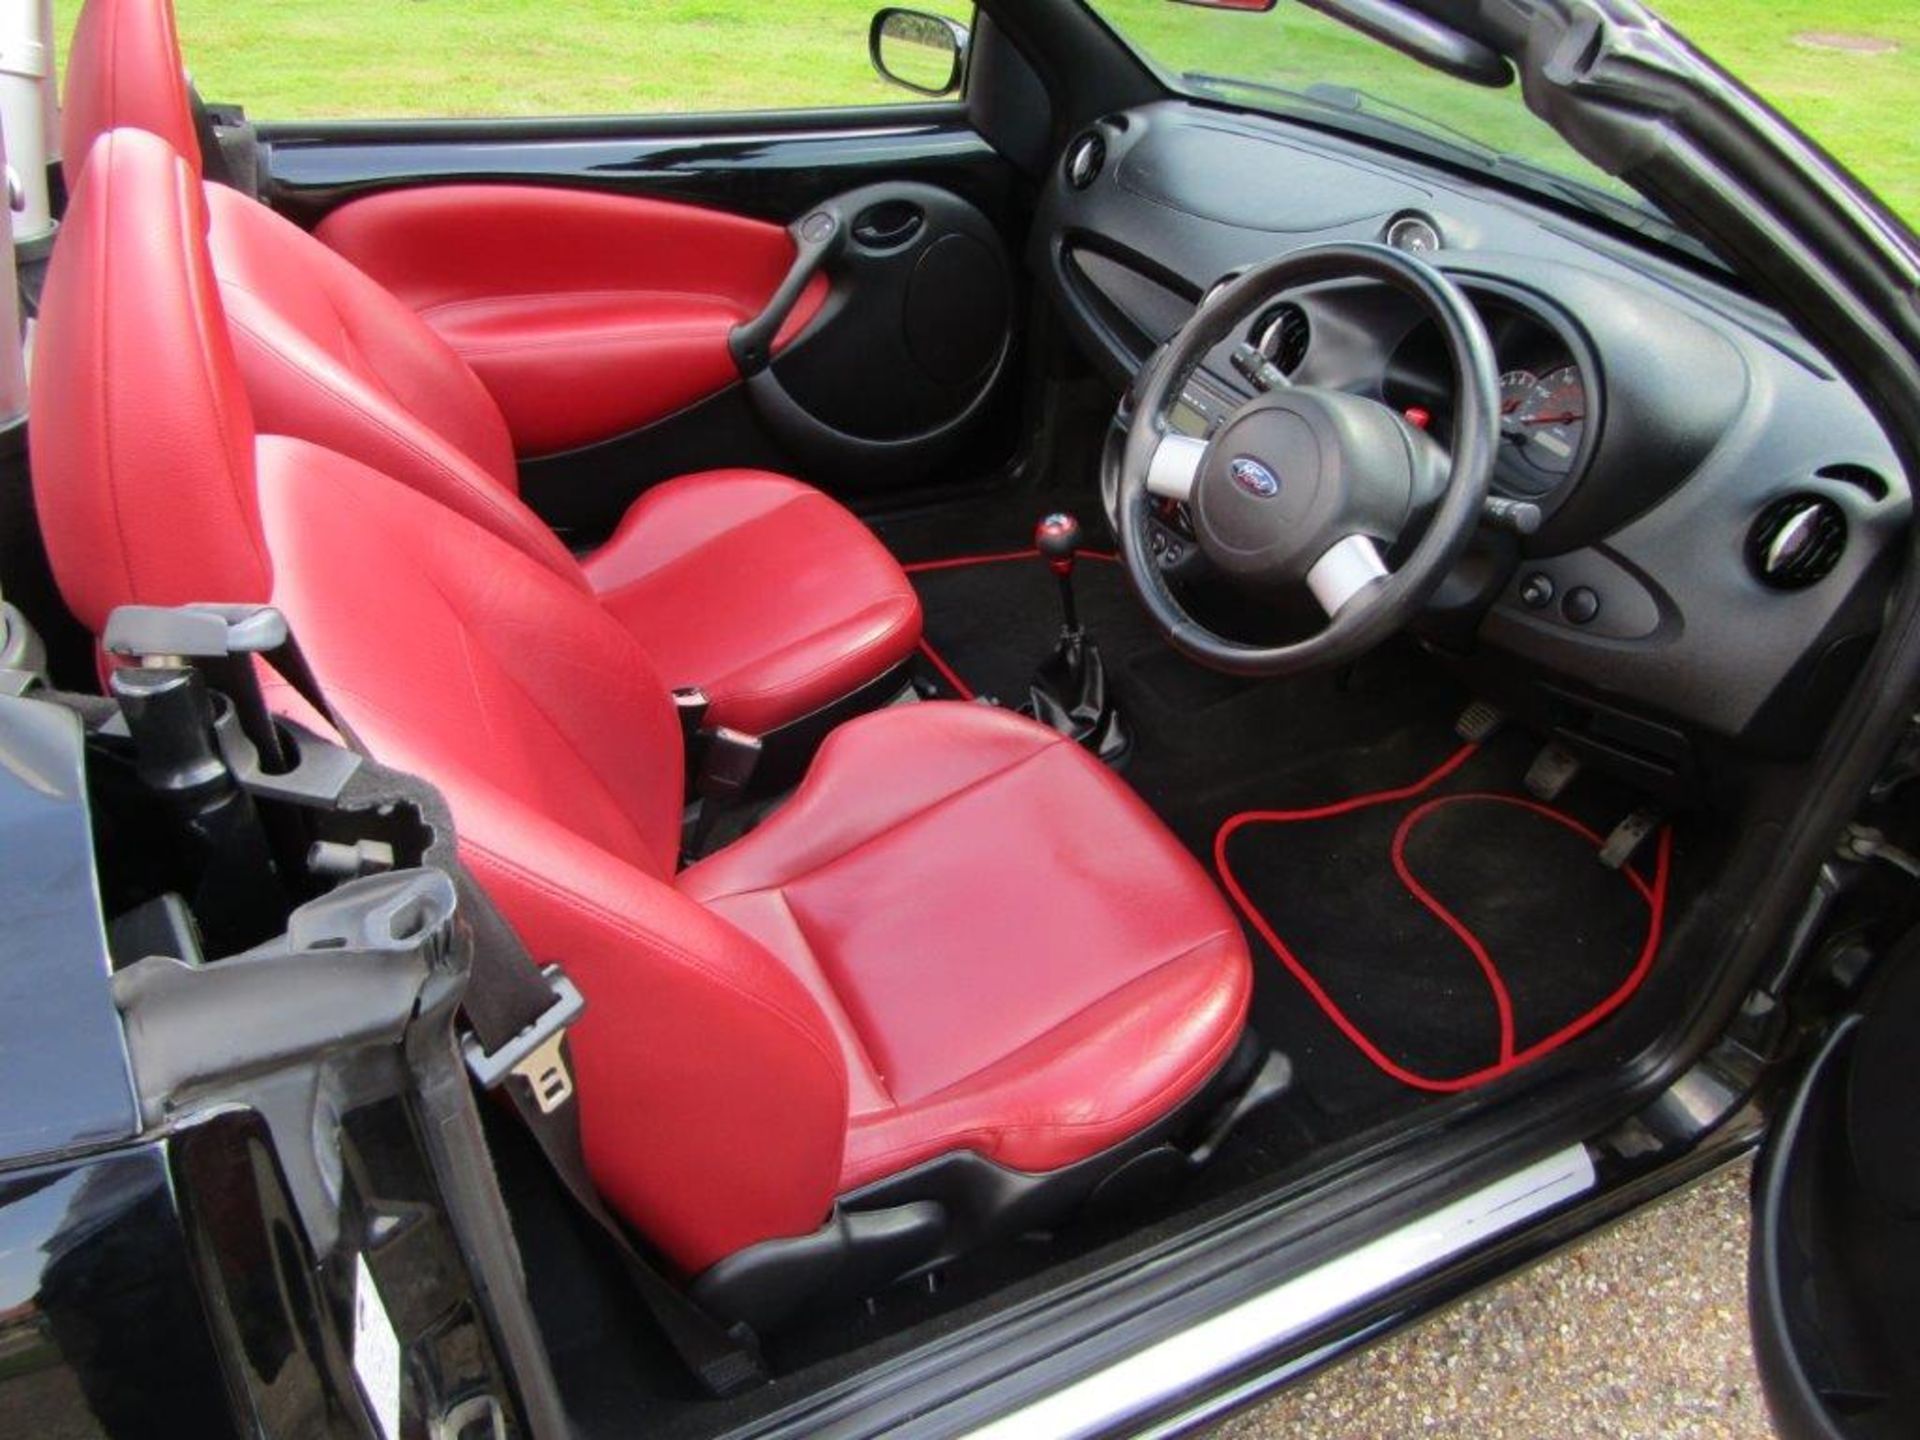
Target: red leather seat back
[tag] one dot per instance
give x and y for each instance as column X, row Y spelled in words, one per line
column 331, row 357
column 713, row 1094
column 141, row 436
column 124, row 69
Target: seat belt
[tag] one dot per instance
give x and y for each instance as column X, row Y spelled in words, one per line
column 517, row 1016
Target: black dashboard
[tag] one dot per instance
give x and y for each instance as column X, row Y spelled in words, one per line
column 1716, row 507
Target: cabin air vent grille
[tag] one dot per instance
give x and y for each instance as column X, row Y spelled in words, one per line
column 1282, row 334
column 1085, row 158
column 1796, row 541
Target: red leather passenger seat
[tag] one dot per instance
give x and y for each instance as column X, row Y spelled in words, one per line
column 761, row 591
column 962, row 935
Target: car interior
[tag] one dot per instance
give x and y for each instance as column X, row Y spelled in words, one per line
column 1058, row 667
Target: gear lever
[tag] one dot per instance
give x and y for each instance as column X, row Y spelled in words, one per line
column 1069, row 691
column 1057, row 538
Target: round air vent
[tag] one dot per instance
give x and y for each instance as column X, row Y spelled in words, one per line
column 1796, row 541
column 1085, row 157
column 1282, row 334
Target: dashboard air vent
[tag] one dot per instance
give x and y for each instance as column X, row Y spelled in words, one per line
column 1796, row 541
column 1085, row 157
column 1282, row 334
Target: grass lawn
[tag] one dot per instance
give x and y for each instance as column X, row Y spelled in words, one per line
column 287, row 59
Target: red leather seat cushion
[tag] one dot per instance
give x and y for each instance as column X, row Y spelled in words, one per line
column 763, row 592
column 1016, row 955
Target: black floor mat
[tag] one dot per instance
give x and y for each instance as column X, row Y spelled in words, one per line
column 1450, row 927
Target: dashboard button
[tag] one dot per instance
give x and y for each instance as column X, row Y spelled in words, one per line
column 1536, row 591
column 1581, row 605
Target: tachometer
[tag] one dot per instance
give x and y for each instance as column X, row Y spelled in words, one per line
column 1514, row 387
column 1550, row 419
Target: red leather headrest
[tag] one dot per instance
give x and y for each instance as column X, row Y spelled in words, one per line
column 141, row 436
column 124, row 70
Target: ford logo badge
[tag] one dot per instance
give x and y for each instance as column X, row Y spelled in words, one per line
column 1253, row 477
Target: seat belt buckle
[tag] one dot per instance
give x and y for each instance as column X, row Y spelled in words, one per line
column 535, row 1054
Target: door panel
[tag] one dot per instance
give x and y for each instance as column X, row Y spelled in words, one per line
column 591, row 272
column 586, row 315
column 1835, row 1287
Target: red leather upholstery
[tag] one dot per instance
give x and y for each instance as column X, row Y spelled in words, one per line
column 142, row 452
column 803, row 601
column 961, row 932
column 331, row 357
column 773, row 614
column 1016, row 956
column 586, row 315
column 712, row 1094
column 760, row 590
column 124, row 69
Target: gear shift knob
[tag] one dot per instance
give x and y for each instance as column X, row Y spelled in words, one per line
column 1057, row 538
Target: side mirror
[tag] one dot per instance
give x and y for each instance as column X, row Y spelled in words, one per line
column 925, row 53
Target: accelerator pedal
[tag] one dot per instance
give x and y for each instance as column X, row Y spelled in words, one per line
column 1553, row 769
column 1478, row 722
column 1627, row 837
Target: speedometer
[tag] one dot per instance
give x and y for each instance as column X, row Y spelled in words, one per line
column 1550, row 419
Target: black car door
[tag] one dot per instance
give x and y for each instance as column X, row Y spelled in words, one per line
column 601, row 273
column 1835, row 1280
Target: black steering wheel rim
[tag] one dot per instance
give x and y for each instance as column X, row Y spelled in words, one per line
column 1385, row 606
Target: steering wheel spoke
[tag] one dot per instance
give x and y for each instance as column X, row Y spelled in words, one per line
column 1348, row 567
column 1175, row 466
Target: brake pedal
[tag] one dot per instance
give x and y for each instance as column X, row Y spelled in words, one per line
column 1553, row 769
column 1479, row 722
column 1627, row 837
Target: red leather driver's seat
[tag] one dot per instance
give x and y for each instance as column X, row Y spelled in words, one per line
column 962, row 940
column 761, row 591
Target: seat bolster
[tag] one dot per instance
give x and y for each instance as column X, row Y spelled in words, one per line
column 124, row 70
column 682, row 517
column 143, row 471
column 1091, row 1082
column 872, row 774
column 712, row 1091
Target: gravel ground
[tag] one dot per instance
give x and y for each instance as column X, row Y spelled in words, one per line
column 1639, row 1335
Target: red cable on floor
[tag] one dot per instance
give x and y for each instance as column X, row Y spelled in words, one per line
column 1654, row 893
column 956, row 562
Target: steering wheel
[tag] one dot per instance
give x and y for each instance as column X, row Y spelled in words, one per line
column 1311, row 487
